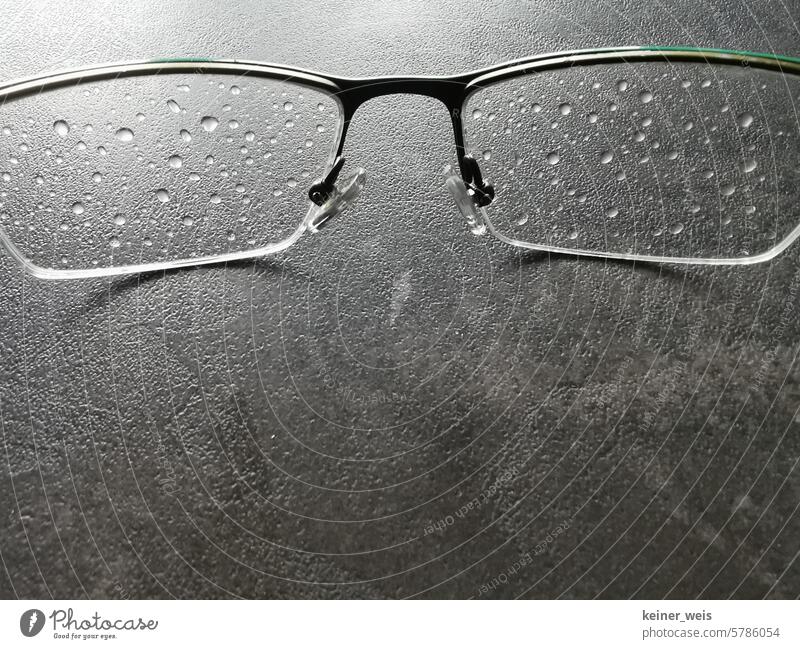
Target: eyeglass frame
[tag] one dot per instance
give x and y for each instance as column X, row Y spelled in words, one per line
column 351, row 93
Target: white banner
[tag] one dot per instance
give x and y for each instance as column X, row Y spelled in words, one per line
column 404, row 624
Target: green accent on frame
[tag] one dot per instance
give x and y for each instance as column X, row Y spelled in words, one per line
column 712, row 50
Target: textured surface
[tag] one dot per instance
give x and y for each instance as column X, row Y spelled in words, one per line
column 395, row 407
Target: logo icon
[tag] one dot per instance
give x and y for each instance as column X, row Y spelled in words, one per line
column 31, row 622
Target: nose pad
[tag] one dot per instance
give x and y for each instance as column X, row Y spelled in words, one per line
column 341, row 195
column 464, row 202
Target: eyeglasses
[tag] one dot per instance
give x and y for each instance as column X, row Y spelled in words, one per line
column 668, row 155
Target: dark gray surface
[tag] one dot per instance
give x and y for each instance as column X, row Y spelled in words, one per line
column 293, row 428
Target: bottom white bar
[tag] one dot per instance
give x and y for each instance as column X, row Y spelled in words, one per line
column 399, row 624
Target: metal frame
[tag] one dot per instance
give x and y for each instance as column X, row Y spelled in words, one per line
column 452, row 90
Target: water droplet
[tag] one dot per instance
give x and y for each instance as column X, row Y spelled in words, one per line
column 186, row 136
column 233, row 124
column 606, row 157
column 61, row 128
column 78, row 208
column 183, row 88
column 622, row 85
column 215, row 198
column 288, row 106
column 209, row 159
column 162, row 195
column 175, row 161
column 645, row 96
column 209, row 123
column 291, row 182
column 611, row 212
column 231, row 236
column 187, row 220
column 194, row 176
column 97, row 176
column 676, row 228
column 522, row 220
column 565, row 109
column 672, row 155
column 727, row 189
column 235, row 90
column 249, row 136
column 573, row 234
column 114, row 242
column 592, row 118
column 147, row 241
column 748, row 165
column 289, row 123
column 119, row 220
column 173, row 106
column 124, row 135
column 553, row 158
column 487, row 154
column 744, row 120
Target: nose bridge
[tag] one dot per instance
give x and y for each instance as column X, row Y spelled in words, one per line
column 448, row 90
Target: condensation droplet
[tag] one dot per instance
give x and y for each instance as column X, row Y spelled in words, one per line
column 233, row 124
column 249, row 136
column 565, row 109
column 235, row 90
column 611, row 212
column 215, row 198
column 748, row 165
column 553, row 158
column 61, row 128
column 727, row 189
column 187, row 220
column 592, row 118
column 175, row 161
column 645, row 96
column 186, row 136
column 97, row 176
column 291, row 182
column 173, row 106
column 162, row 195
column 124, row 135
column 288, row 106
column 477, row 113
column 622, row 85
column 114, row 242
column 487, row 154
column 606, row 157
column 119, row 219
column 78, row 208
column 744, row 120
column 676, row 228
column 573, row 234
column 209, row 123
